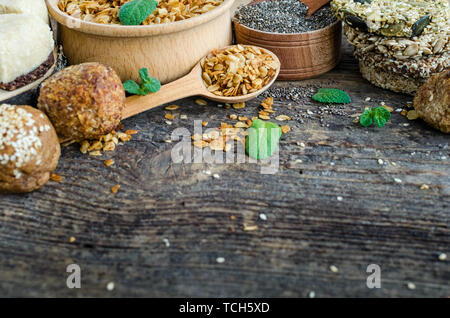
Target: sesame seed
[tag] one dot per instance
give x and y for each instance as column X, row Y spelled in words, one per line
column 312, row 294
column 72, row 239
column 263, row 217
column 166, row 241
column 397, row 180
column 334, row 269
column 411, row 286
column 216, row 176
column 380, row 161
column 339, row 198
column 220, row 260
column 110, row 286
column 207, row 172
column 442, row 257
column 424, row 187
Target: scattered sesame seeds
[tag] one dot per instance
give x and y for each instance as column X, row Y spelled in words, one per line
column 263, row 217
column 334, row 269
column 380, row 161
column 442, row 257
column 411, row 285
column 367, row 99
column 216, row 176
column 339, row 198
column 397, row 180
column 220, row 260
column 110, row 286
column 424, row 187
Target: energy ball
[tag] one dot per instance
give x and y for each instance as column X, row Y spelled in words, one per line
column 432, row 101
column 83, row 101
column 29, row 149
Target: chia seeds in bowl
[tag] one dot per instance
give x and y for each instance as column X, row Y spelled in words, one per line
column 283, row 16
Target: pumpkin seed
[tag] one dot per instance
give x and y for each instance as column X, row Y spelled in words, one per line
column 420, row 25
column 357, row 23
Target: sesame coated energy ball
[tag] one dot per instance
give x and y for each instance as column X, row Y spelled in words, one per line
column 29, row 149
column 83, row 101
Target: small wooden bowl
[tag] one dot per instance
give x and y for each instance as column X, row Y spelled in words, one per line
column 169, row 51
column 302, row 55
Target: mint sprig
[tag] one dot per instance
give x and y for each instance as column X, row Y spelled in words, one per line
column 378, row 115
column 262, row 139
column 136, row 11
column 332, row 96
column 149, row 84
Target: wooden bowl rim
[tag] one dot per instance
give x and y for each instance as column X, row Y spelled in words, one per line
column 289, row 36
column 134, row 31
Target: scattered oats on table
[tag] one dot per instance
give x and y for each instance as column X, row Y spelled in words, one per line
column 238, row 70
column 55, row 177
column 115, row 188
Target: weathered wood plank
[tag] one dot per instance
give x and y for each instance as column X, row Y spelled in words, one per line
column 119, row 237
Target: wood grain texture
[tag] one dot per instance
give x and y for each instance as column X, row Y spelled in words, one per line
column 169, row 50
column 303, row 55
column 119, row 238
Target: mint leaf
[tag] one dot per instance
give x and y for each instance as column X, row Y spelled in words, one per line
column 332, row 96
column 366, row 118
column 380, row 116
column 132, row 87
column 262, row 139
column 149, row 84
column 152, row 86
column 136, row 11
column 145, row 76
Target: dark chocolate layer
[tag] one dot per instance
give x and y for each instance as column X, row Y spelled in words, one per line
column 34, row 75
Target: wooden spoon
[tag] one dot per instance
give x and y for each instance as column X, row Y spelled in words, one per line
column 189, row 85
column 314, row 5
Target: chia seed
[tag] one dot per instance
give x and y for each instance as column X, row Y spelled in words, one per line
column 283, row 16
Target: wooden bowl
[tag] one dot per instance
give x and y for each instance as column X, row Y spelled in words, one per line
column 169, row 51
column 302, row 55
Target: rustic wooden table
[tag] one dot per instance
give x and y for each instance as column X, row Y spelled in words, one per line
column 332, row 202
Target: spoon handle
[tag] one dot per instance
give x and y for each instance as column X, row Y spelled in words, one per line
column 184, row 87
column 314, row 5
